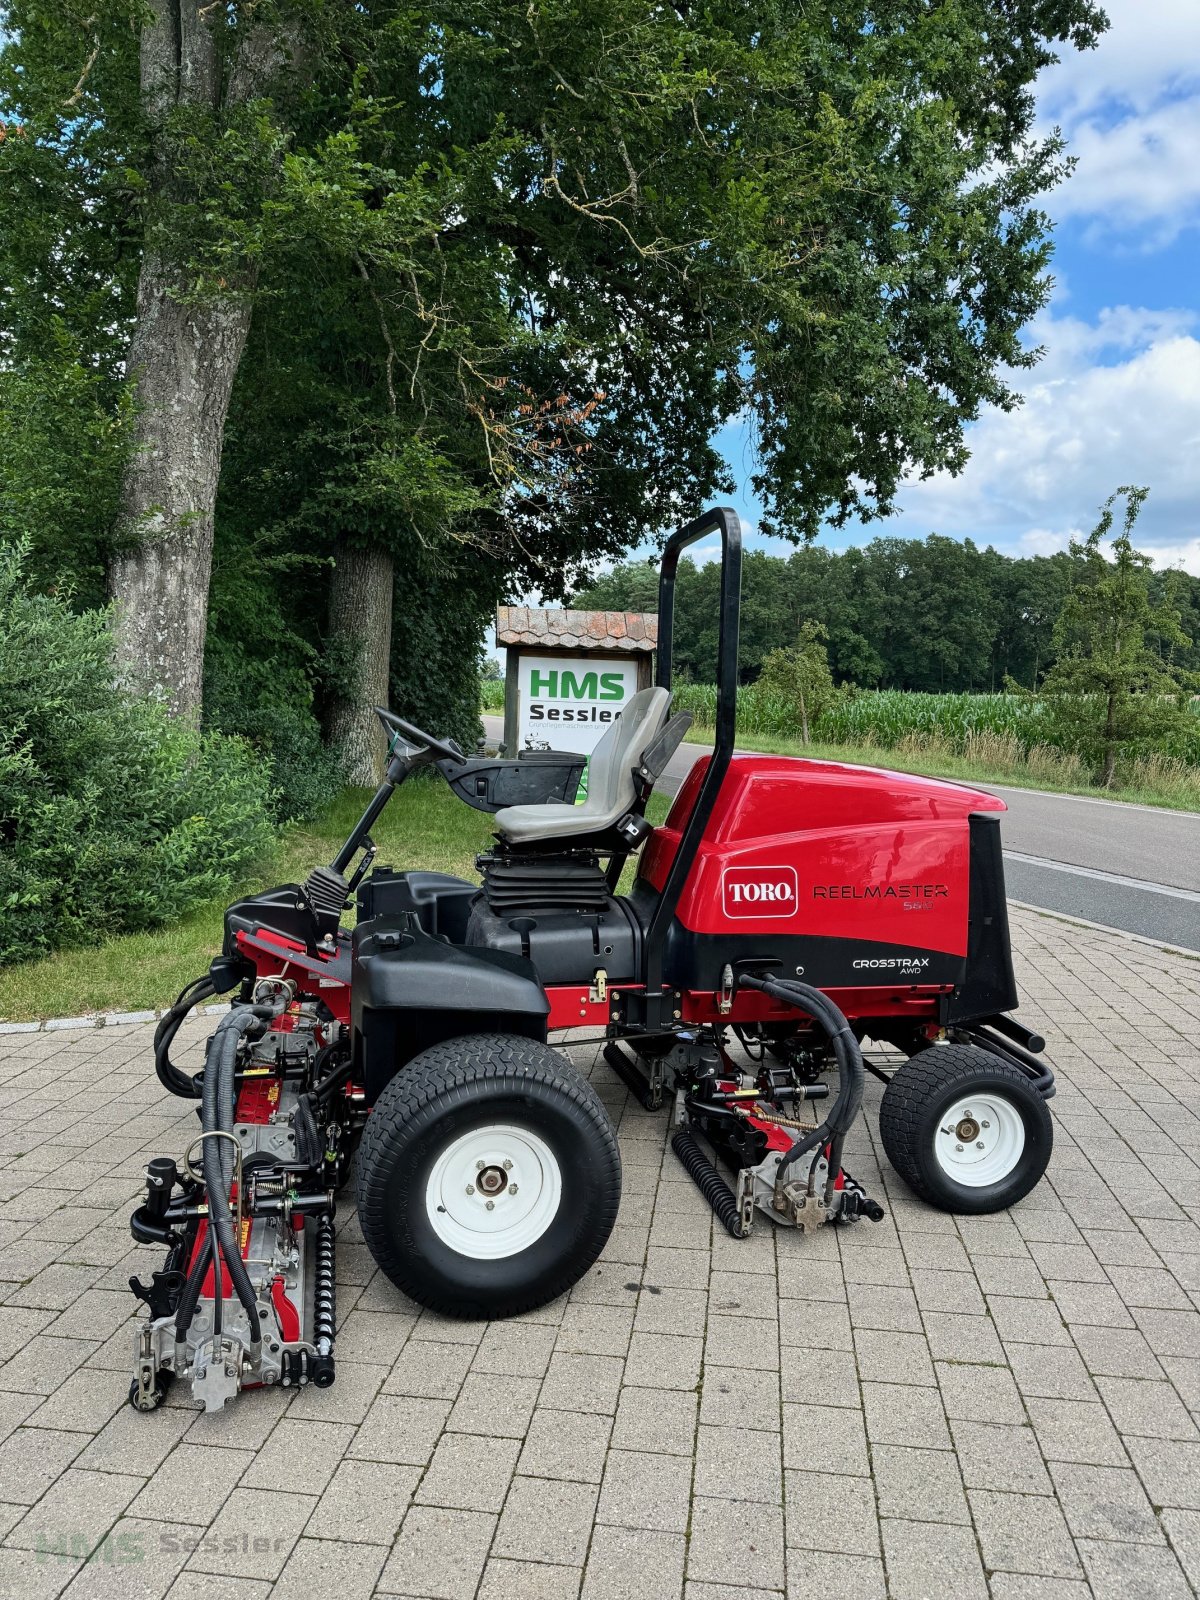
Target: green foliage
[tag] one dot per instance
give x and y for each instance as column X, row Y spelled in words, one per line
column 112, row 815
column 435, row 657
column 799, row 675
column 64, row 440
column 1110, row 691
column 891, row 718
column 932, row 614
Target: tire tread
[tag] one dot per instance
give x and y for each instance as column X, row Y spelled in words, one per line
column 914, row 1084
column 447, row 1072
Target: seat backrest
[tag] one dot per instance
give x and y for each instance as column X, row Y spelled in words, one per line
column 611, row 785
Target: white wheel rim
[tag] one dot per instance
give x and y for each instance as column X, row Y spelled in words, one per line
column 493, row 1192
column 979, row 1139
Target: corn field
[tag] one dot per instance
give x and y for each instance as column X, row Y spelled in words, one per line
column 997, row 730
column 889, row 718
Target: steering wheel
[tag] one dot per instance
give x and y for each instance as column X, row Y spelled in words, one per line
column 444, row 750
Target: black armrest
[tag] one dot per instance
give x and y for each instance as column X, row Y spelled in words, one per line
column 664, row 747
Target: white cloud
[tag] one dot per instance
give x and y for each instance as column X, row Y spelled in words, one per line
column 1139, row 173
column 1131, row 112
column 1151, row 50
column 1038, row 475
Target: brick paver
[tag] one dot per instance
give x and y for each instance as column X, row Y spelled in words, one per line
column 1004, row 1405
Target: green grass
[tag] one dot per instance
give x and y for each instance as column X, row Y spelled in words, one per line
column 423, row 826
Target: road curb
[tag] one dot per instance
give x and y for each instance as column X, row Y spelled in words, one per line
column 98, row 1019
column 1107, row 927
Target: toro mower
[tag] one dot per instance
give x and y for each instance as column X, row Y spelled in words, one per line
column 787, row 911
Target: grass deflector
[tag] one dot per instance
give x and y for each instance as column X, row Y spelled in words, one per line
column 786, row 911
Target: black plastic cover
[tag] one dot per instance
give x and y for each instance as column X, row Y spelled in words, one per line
column 535, row 778
column 441, row 902
column 410, row 989
column 564, row 947
column 988, row 986
column 285, row 910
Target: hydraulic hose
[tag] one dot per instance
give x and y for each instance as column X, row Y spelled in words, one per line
column 851, row 1073
column 217, row 1112
column 186, row 1309
column 169, row 1075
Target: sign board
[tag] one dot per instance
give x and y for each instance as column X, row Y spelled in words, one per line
column 570, row 702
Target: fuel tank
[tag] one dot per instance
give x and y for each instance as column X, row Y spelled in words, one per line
column 847, row 875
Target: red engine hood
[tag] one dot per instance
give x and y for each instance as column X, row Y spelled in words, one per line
column 823, row 846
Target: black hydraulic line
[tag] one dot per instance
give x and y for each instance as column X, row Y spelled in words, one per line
column 169, row 1075
column 709, row 1182
column 846, row 1052
column 190, row 1293
column 217, row 1118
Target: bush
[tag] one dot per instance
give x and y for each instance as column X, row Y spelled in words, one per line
column 302, row 773
column 113, row 816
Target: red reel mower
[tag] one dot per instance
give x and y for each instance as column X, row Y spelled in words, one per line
column 786, row 911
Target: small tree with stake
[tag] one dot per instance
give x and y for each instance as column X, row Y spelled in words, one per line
column 1110, row 688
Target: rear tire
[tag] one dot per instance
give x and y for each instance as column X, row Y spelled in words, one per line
column 966, row 1130
column 488, row 1176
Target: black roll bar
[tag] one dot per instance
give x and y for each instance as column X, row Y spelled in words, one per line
column 724, row 521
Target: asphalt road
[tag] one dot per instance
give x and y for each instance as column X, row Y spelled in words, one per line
column 1136, row 868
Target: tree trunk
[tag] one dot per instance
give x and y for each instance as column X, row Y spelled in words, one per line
column 360, row 627
column 186, row 359
column 804, row 718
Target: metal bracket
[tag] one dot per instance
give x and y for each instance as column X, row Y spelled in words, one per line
column 744, row 1195
column 217, row 1373
column 725, row 993
column 598, row 993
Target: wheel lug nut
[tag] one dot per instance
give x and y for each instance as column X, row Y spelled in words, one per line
column 979, row 1144
column 958, row 1147
column 479, row 1166
column 491, row 1205
column 508, row 1166
column 512, row 1188
column 470, row 1188
column 985, row 1124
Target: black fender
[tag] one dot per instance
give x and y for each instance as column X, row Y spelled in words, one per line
column 410, row 990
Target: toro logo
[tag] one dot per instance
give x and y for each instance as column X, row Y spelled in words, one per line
column 760, row 891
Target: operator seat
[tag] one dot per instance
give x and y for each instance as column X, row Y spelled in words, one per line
column 611, row 778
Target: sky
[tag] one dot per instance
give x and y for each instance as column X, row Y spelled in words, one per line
column 1116, row 397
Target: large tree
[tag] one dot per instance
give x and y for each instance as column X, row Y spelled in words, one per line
column 572, row 240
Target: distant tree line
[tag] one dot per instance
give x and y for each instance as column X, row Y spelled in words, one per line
column 934, row 614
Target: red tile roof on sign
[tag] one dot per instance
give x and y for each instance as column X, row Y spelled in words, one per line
column 631, row 631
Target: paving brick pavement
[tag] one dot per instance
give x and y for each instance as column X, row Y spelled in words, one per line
column 1005, row 1405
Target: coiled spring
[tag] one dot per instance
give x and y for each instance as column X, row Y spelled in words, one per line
column 709, row 1182
column 325, row 1289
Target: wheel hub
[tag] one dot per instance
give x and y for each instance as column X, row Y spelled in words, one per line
column 979, row 1141
column 493, row 1192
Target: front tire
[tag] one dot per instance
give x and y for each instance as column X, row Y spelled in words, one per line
column 966, row 1130
column 488, row 1177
